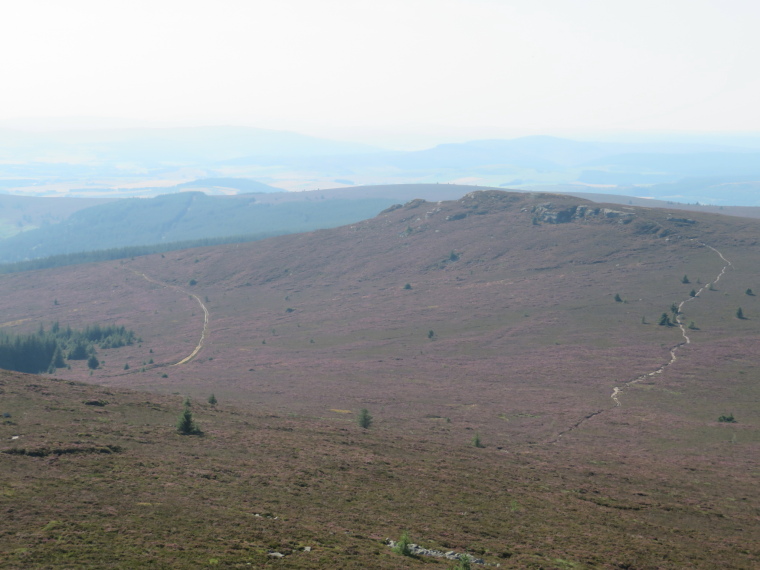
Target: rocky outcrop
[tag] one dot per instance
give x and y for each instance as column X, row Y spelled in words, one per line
column 417, row 550
column 548, row 213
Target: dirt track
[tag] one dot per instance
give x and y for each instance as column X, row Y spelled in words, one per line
column 204, row 332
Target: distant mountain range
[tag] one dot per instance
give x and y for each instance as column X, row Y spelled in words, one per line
column 231, row 160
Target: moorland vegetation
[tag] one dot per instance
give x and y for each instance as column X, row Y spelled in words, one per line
column 601, row 443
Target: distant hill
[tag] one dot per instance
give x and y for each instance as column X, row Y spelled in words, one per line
column 149, row 162
column 529, row 409
column 241, row 185
column 189, row 216
column 24, row 213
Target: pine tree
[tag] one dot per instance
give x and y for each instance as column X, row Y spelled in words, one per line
column 364, row 420
column 739, row 313
column 403, row 546
column 58, row 361
column 212, row 400
column 186, row 425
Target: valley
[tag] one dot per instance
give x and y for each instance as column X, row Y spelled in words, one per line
column 529, row 320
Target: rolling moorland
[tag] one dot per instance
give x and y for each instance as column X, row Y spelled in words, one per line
column 51, row 232
column 528, row 322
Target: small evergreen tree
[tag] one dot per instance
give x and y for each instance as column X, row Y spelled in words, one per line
column 186, row 425
column 729, row 419
column 685, row 279
column 364, row 420
column 617, row 298
column 664, row 320
column 402, row 547
column 739, row 313
column 212, row 400
column 57, row 361
column 693, row 293
column 476, row 441
column 750, row 292
column 431, row 334
column 93, row 362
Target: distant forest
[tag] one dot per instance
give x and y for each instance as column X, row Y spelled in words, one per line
column 46, row 351
column 189, row 217
column 124, row 252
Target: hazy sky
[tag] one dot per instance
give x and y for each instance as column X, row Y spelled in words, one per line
column 358, row 67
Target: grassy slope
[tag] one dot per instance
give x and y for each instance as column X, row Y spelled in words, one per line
column 187, row 501
column 527, row 343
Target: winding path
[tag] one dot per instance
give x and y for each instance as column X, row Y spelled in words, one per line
column 204, row 332
column 617, row 391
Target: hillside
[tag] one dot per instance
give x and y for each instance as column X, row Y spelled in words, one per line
column 494, row 314
column 24, row 213
column 181, row 217
column 193, row 216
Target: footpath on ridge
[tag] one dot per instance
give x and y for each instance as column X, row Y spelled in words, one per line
column 617, row 391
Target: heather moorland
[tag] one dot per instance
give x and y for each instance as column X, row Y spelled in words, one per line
column 528, row 406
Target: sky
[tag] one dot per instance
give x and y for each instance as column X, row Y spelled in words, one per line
column 384, row 71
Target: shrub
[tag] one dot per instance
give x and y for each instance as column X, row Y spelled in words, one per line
column 364, row 420
column 464, row 563
column 476, row 441
column 750, row 292
column 729, row 419
column 617, row 298
column 431, row 334
column 212, row 400
column 408, row 286
column 402, row 546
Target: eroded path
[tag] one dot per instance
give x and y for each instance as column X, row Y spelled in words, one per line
column 617, row 391
column 204, row 332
